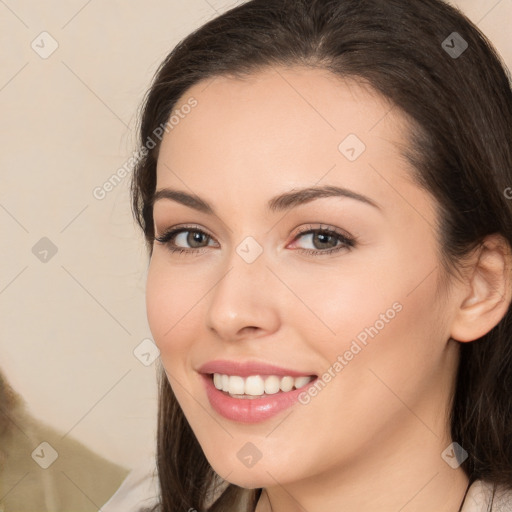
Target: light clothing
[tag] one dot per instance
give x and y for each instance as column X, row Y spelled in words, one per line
column 479, row 497
column 139, row 492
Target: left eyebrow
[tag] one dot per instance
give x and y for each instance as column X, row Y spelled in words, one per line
column 282, row 202
column 294, row 198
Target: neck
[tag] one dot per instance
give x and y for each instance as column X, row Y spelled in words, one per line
column 410, row 477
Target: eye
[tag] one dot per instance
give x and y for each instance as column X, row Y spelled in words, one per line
column 189, row 239
column 324, row 240
column 192, row 239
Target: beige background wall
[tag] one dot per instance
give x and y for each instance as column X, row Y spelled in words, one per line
column 70, row 321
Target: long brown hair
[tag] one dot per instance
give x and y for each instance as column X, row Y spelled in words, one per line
column 460, row 104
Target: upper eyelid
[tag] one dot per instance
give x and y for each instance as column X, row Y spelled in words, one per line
column 323, row 227
column 301, row 231
column 176, row 230
column 304, row 230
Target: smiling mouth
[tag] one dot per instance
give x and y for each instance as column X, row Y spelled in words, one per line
column 258, row 386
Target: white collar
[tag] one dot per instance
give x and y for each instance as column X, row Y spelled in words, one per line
column 478, row 498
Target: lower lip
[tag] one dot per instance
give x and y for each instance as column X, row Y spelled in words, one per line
column 250, row 410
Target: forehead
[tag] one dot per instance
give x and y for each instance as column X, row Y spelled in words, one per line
column 280, row 128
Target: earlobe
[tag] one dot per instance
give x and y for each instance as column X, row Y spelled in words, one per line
column 488, row 290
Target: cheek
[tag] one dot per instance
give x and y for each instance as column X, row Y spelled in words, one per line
column 379, row 313
column 334, row 304
column 393, row 341
column 170, row 302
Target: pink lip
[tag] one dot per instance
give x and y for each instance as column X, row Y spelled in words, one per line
column 249, row 410
column 247, row 368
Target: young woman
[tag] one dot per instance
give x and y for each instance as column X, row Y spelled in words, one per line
column 325, row 192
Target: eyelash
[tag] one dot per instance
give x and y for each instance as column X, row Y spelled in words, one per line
column 166, row 237
column 347, row 242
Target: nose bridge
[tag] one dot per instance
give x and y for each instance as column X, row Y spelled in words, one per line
column 242, row 297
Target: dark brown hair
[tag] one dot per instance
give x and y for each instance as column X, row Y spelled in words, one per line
column 460, row 107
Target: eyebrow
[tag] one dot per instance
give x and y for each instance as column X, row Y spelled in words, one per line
column 282, row 202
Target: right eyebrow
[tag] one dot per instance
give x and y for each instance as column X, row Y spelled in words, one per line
column 184, row 198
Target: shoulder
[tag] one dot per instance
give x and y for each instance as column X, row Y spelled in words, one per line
column 38, row 465
column 480, row 498
column 139, row 491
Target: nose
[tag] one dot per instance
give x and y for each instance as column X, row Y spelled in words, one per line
column 244, row 301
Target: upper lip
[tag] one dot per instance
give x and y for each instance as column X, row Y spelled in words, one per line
column 247, row 368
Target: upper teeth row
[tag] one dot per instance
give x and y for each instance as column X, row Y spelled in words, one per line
column 257, row 385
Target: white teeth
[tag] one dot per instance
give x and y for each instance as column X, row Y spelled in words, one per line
column 236, row 385
column 217, row 380
column 287, row 383
column 256, row 385
column 225, row 383
column 301, row 382
column 272, row 385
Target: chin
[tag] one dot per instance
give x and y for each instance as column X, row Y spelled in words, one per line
column 249, row 480
column 261, row 474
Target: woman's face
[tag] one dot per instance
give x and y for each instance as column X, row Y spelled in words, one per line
column 307, row 258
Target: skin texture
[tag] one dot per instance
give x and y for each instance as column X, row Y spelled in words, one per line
column 372, row 438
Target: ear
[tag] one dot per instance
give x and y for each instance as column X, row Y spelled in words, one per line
column 487, row 291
